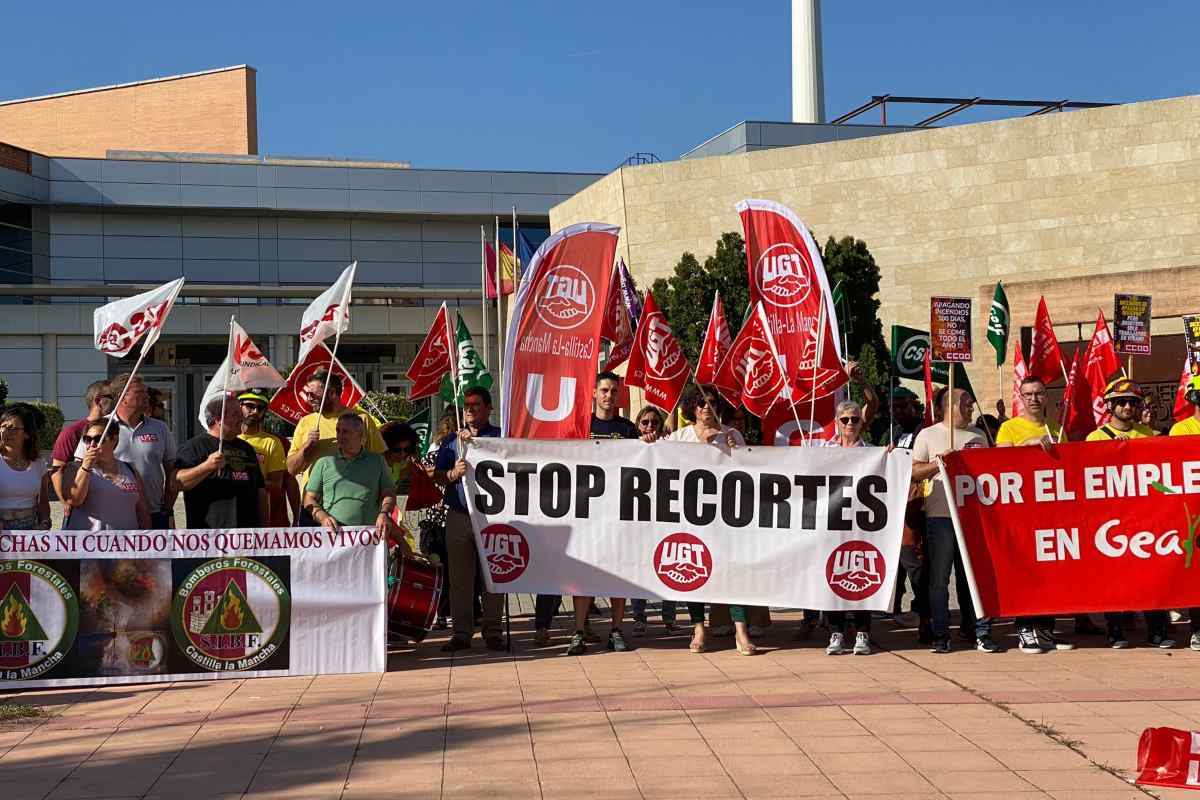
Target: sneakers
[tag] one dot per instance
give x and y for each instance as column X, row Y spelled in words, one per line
column 578, row 644
column 639, row 628
column 836, row 644
column 1160, row 640
column 1117, row 640
column 590, row 636
column 1195, row 643
column 722, row 630
column 940, row 646
column 1029, row 642
column 1054, row 642
column 441, row 624
column 862, row 644
column 541, row 636
column 985, row 644
column 617, row 643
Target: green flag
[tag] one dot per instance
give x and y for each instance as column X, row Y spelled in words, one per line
column 998, row 323
column 842, row 309
column 420, row 423
column 472, row 373
column 908, row 359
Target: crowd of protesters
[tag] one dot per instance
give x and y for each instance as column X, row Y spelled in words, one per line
column 118, row 468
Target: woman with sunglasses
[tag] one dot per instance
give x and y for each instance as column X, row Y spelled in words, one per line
column 24, row 485
column 706, row 406
column 849, row 417
column 103, row 492
column 650, row 422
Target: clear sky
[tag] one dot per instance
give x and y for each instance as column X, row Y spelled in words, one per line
column 578, row 87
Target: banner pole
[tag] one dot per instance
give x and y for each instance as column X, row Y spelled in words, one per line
column 516, row 259
column 499, row 314
column 483, row 299
column 950, row 403
column 892, row 399
column 337, row 338
column 225, row 384
column 980, row 611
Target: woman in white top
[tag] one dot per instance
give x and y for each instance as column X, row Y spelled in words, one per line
column 706, row 406
column 24, row 485
column 849, row 417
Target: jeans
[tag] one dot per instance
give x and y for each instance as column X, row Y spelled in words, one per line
column 1157, row 622
column 639, row 611
column 837, row 620
column 544, row 609
column 918, row 578
column 941, row 555
column 696, row 612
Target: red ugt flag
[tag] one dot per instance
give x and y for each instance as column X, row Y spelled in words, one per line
column 553, row 341
column 433, row 358
column 752, row 368
column 657, row 363
column 717, row 342
column 788, row 277
column 1045, row 357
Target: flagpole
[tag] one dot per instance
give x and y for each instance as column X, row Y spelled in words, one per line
column 225, row 385
column 812, row 408
column 483, row 299
column 950, row 402
column 121, row 396
column 499, row 315
column 516, row 250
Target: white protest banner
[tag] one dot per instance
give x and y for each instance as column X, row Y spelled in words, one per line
column 692, row 522
column 81, row 608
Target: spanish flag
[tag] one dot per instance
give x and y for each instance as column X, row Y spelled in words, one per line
column 507, row 270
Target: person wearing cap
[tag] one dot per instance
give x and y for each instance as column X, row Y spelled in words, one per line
column 1125, row 399
column 272, row 458
column 1191, row 427
column 218, row 473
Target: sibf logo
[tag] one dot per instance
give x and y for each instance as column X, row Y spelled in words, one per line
column 683, row 562
column 855, row 570
column 664, row 358
column 565, row 297
column 783, row 275
column 506, row 551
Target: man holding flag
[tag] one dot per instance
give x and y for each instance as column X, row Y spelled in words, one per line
column 222, row 484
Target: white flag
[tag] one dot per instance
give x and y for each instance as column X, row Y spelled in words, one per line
column 120, row 324
column 244, row 367
column 329, row 314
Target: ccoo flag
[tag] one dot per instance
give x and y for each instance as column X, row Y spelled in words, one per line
column 998, row 323
column 657, row 363
column 471, row 371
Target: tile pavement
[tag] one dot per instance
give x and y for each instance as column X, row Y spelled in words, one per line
column 655, row 723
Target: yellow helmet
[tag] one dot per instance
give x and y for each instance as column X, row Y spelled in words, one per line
column 1123, row 387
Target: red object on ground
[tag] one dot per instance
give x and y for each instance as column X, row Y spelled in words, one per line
column 1169, row 757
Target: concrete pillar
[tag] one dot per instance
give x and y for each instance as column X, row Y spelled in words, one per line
column 50, row 368
column 808, row 84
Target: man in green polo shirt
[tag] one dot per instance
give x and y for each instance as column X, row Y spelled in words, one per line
column 352, row 487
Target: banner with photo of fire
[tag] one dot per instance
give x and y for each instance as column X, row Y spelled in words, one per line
column 690, row 522
column 85, row 608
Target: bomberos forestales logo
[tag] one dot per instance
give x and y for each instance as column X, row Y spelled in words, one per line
column 39, row 617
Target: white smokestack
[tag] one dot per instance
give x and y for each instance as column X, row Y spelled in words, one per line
column 808, row 86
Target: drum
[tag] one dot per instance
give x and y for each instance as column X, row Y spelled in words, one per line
column 414, row 590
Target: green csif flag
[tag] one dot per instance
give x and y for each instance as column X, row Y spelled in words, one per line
column 420, row 423
column 842, row 309
column 998, row 323
column 908, row 359
column 472, row 373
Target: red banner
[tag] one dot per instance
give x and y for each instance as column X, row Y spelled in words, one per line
column 553, row 341
column 1091, row 526
column 290, row 404
column 788, row 277
column 432, row 360
column 752, row 369
column 1169, row 757
column 717, row 342
column 657, row 363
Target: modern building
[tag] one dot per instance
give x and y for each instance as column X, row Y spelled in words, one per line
column 105, row 192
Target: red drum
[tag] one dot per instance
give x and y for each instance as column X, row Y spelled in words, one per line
column 414, row 589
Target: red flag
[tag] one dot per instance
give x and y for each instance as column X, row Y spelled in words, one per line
column 433, row 358
column 554, row 338
column 617, row 327
column 781, row 429
column 1183, row 409
column 717, row 342
column 752, row 368
column 1098, row 367
column 929, row 386
column 422, row 491
column 1045, row 357
column 787, row 276
column 1169, row 757
column 506, row 270
column 1076, row 413
column 657, row 363
column 288, row 402
column 1020, row 372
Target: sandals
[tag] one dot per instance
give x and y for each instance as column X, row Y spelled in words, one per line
column 747, row 649
column 696, row 647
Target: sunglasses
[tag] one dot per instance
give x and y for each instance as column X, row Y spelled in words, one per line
column 1127, row 401
column 850, row 420
column 653, row 423
column 91, row 440
column 401, row 451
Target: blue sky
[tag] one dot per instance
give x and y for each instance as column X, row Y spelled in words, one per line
column 578, row 87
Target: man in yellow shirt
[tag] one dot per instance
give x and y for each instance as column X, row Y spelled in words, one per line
column 316, row 434
column 1191, row 427
column 271, row 458
column 1125, row 400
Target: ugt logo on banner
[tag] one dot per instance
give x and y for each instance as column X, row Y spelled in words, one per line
column 855, row 570
column 506, row 552
column 565, row 297
column 683, row 562
column 782, row 275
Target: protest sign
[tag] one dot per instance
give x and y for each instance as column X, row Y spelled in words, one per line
column 950, row 328
column 1131, row 324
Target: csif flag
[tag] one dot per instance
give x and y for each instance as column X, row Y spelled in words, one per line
column 717, row 342
column 329, row 314
column 998, row 323
column 657, row 363
column 553, row 343
column 119, row 325
column 471, row 371
column 244, row 367
column 752, row 369
column 432, row 360
column 291, row 404
column 787, row 276
column 1045, row 356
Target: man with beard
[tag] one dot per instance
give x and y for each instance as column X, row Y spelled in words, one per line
column 99, row 401
column 316, row 433
column 218, row 473
column 271, row 456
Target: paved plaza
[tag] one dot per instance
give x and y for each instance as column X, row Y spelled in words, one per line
column 659, row 722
